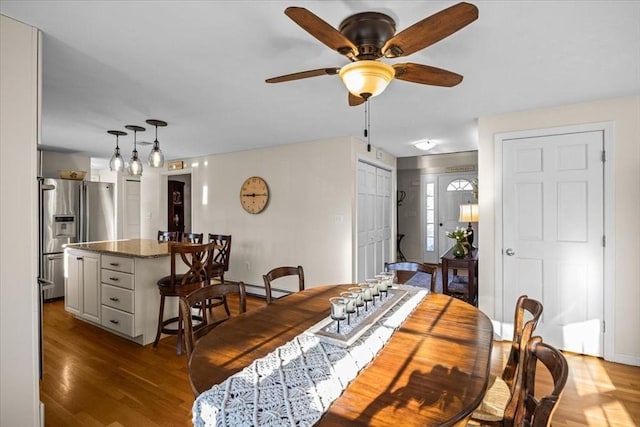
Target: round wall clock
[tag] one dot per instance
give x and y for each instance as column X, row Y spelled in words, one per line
column 254, row 194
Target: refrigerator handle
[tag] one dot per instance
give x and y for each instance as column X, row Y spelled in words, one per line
column 84, row 225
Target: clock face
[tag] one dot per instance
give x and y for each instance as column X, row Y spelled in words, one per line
column 254, row 194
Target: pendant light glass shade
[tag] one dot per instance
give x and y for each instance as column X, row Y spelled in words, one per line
column 135, row 165
column 116, row 164
column 156, row 157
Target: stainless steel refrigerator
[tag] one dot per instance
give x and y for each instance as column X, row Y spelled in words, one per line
column 70, row 212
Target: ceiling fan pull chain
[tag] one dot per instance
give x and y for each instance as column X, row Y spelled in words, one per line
column 367, row 123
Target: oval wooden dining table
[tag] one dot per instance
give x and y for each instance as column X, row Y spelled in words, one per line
column 433, row 371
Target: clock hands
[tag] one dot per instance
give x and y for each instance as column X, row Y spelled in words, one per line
column 254, row 195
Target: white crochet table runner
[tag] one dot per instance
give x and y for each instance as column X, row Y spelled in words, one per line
column 295, row 384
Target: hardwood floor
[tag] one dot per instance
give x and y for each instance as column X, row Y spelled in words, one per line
column 93, row 378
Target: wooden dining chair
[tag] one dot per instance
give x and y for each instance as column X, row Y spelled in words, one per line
column 192, row 237
column 498, row 405
column 537, row 411
column 406, row 270
column 222, row 255
column 196, row 259
column 192, row 305
column 168, row 236
column 278, row 273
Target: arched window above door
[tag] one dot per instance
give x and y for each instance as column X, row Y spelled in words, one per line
column 460, row 185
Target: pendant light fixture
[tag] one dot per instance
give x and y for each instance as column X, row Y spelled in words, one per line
column 156, row 158
column 116, row 164
column 135, row 165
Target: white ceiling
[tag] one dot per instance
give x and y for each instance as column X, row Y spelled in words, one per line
column 201, row 66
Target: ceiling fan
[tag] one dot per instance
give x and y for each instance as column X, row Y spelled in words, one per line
column 366, row 37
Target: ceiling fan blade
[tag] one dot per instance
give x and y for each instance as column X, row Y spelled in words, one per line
column 426, row 75
column 304, row 75
column 430, row 30
column 355, row 100
column 322, row 31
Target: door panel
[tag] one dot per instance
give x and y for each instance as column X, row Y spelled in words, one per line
column 553, row 225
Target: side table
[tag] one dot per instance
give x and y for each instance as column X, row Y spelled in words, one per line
column 470, row 263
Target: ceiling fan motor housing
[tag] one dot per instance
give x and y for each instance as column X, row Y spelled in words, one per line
column 369, row 31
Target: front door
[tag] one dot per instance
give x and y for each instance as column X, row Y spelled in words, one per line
column 553, row 228
column 453, row 190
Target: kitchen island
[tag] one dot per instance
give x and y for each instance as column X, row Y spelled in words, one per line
column 112, row 284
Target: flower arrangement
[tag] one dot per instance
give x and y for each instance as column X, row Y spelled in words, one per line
column 459, row 234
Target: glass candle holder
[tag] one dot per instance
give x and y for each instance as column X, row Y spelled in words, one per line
column 350, row 297
column 338, row 310
column 358, row 295
column 366, row 294
column 383, row 284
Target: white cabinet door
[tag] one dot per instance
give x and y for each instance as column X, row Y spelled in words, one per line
column 91, row 287
column 73, row 274
column 82, row 290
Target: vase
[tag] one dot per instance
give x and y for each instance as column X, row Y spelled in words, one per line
column 459, row 250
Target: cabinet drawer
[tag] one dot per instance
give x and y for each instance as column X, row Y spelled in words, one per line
column 117, row 263
column 117, row 320
column 116, row 297
column 116, row 278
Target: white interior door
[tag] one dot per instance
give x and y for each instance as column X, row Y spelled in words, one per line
column 553, row 228
column 374, row 220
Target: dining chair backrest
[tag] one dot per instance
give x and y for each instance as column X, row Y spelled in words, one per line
column 537, row 411
column 525, row 307
column 168, row 236
column 192, row 237
column 222, row 254
column 198, row 300
column 280, row 272
column 198, row 260
column 431, row 269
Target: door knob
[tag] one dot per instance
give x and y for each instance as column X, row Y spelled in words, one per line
column 510, row 252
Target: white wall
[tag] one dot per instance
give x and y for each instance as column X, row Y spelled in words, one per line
column 310, row 184
column 625, row 156
column 19, row 118
column 53, row 162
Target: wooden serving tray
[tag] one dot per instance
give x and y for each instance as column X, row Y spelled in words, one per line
column 326, row 329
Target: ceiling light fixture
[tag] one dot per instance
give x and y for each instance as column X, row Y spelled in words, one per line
column 135, row 165
column 424, row 145
column 156, row 158
column 366, row 78
column 116, row 164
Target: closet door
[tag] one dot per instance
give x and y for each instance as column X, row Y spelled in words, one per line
column 374, row 220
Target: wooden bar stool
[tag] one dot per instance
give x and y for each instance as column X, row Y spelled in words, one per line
column 197, row 259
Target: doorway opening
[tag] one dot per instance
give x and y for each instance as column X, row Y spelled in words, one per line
column 179, row 203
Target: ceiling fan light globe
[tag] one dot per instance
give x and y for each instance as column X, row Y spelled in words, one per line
column 156, row 158
column 366, row 77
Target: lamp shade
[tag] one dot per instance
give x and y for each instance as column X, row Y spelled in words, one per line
column 366, row 77
column 469, row 212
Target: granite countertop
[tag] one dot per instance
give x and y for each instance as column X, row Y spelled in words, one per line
column 141, row 248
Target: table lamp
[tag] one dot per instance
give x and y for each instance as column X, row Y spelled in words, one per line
column 469, row 213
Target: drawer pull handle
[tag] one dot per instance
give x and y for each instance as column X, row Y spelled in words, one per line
column 114, row 299
column 115, row 279
column 115, row 322
column 114, row 264
column 79, row 258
